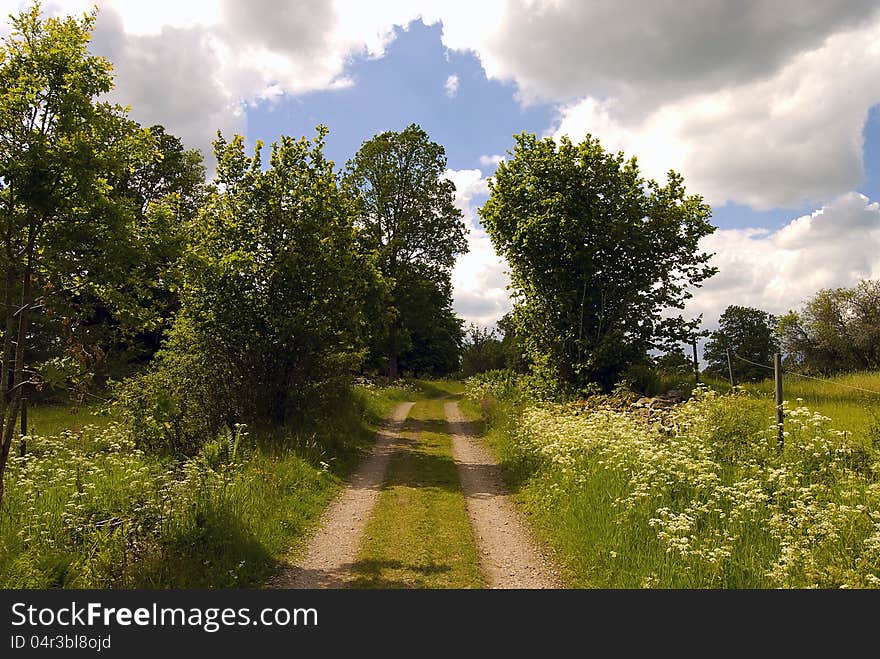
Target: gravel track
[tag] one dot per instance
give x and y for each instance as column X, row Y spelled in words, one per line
column 509, row 556
column 330, row 554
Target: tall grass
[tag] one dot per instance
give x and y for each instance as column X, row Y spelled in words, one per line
column 857, row 412
column 696, row 497
column 85, row 509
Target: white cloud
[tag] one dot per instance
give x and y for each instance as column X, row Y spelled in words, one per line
column 787, row 140
column 491, row 161
column 837, row 245
column 195, row 66
column 559, row 49
column 755, row 103
column 451, row 86
column 479, row 279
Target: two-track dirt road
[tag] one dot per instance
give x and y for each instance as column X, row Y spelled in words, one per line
column 508, row 555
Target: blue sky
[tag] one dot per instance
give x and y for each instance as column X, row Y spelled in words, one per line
column 407, row 85
column 773, row 116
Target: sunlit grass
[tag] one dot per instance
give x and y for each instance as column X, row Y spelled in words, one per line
column 85, row 508
column 419, row 535
column 697, row 497
column 851, row 410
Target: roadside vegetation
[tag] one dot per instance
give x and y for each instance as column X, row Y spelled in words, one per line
column 696, row 496
column 86, row 508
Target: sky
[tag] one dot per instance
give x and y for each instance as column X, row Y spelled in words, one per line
column 770, row 109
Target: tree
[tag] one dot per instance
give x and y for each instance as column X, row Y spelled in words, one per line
column 595, row 251
column 511, row 346
column 410, row 225
column 271, row 320
column 121, row 326
column 750, row 334
column 435, row 333
column 675, row 362
column 61, row 219
column 837, row 330
column 483, row 351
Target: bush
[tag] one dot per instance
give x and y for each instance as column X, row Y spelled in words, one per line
column 184, row 400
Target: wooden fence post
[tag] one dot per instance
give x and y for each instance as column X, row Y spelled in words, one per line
column 730, row 370
column 777, row 372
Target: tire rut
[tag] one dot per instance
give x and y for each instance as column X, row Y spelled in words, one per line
column 509, row 556
column 330, row 554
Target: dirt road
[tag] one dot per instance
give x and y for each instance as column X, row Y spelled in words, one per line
column 330, row 554
column 509, row 557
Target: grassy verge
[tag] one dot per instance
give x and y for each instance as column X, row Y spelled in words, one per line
column 420, row 535
column 855, row 411
column 47, row 420
column 697, row 497
column 85, row 508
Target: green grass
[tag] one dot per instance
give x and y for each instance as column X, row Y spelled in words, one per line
column 801, row 517
column 855, row 411
column 419, row 535
column 51, row 419
column 84, row 508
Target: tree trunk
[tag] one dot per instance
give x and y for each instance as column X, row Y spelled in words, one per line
column 9, row 330
column 392, row 365
column 13, row 398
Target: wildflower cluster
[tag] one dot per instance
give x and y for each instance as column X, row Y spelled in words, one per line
column 706, row 485
column 82, row 508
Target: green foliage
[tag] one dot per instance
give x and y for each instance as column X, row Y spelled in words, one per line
column 271, row 322
column 410, row 226
column 498, row 384
column 838, row 330
column 434, row 331
column 62, row 219
column 483, row 351
column 596, row 252
column 88, row 509
column 747, row 332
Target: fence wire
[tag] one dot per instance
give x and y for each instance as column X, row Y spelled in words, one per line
column 807, row 377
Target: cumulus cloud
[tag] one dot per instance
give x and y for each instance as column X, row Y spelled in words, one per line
column 451, row 86
column 555, row 49
column 161, row 87
column 479, row 279
column 786, row 140
column 491, row 161
column 837, row 245
column 196, row 66
column 760, row 104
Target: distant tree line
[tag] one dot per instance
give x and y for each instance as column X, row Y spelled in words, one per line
column 836, row 331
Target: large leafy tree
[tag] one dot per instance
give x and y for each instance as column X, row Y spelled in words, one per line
column 836, row 330
column 271, row 303
column 61, row 218
column 596, row 253
column 414, row 231
column 749, row 333
column 111, row 330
